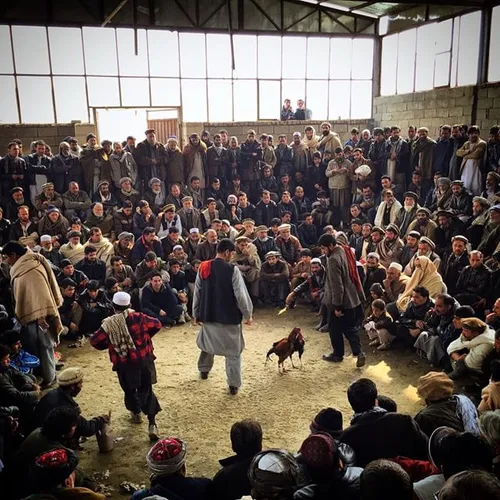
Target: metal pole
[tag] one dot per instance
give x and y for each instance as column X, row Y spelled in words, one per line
column 113, row 14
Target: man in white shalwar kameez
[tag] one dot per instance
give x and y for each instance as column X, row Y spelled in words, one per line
column 220, row 303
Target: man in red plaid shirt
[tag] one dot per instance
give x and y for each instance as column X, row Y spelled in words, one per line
column 127, row 336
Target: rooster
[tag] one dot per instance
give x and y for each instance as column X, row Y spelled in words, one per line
column 285, row 348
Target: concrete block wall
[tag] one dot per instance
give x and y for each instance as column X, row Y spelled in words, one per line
column 436, row 107
column 275, row 128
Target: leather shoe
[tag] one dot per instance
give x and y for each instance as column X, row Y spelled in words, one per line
column 233, row 390
column 153, row 432
column 361, row 360
column 204, row 375
column 332, row 358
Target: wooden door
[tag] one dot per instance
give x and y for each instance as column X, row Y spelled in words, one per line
column 165, row 129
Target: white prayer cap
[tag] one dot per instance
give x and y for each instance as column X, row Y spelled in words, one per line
column 194, row 230
column 44, row 238
column 316, row 260
column 177, row 247
column 121, row 299
column 396, row 265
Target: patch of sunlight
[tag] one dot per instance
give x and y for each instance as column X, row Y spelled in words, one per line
column 379, row 372
column 411, row 394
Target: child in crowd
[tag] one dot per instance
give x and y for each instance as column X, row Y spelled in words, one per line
column 377, row 324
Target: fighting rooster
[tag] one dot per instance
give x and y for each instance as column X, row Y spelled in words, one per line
column 285, row 348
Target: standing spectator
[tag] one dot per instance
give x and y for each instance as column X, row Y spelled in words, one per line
column 330, row 140
column 343, row 296
column 339, row 184
column 302, row 113
column 300, row 161
column 287, row 111
column 149, row 155
column 423, row 156
column 195, row 161
column 76, row 202
column 398, row 157
column 493, row 150
column 217, row 160
column 122, row 164
column 458, row 138
column 37, row 299
column 378, row 154
column 37, row 170
column 284, row 156
column 472, row 154
column 174, row 164
column 443, row 151
column 250, row 156
column 12, row 169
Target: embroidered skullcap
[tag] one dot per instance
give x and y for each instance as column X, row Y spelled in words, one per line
column 167, row 456
column 319, row 451
column 54, row 466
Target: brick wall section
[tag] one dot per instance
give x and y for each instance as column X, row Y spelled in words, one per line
column 275, row 128
column 439, row 106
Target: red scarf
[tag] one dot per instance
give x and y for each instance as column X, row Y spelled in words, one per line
column 351, row 264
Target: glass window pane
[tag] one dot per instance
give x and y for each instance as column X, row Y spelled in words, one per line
column 103, row 91
column 135, row 91
column 494, row 66
column 220, row 101
column 99, row 45
column 6, row 65
column 361, row 99
column 340, row 98
column 443, row 36
column 218, row 56
column 293, row 90
column 35, row 98
column 442, row 70
column 71, row 99
column 163, row 49
column 468, row 52
column 269, row 57
column 245, row 100
column 31, row 51
column 317, row 98
column 362, row 58
column 294, row 57
column 8, row 102
column 424, row 68
column 389, row 65
column 406, row 61
column 194, row 100
column 340, row 58
column 165, row 92
column 192, row 46
column 129, row 63
column 318, row 52
column 269, row 100
column 245, row 56
column 66, row 51
column 454, row 52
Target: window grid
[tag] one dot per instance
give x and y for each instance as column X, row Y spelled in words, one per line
column 118, row 78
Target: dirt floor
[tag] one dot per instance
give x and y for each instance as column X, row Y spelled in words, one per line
column 202, row 412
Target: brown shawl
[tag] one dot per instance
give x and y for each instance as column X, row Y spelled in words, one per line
column 36, row 292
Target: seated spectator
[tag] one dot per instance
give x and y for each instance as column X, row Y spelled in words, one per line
column 489, row 425
column 375, row 433
column 274, row 474
column 16, row 201
column 54, row 224
column 395, row 283
column 68, row 271
column 110, row 288
column 159, row 301
column 5, row 225
column 474, row 282
column 407, row 212
column 103, row 246
column 364, row 245
column 374, row 272
column 469, row 351
column 70, row 310
column 228, row 231
column 46, row 198
column 190, row 217
column 155, row 195
column 148, row 242
column 443, row 407
column 232, row 481
column 308, row 234
column 127, row 192
column 312, row 288
column 95, row 308
column 143, row 218
column 425, row 248
column 409, row 249
column 76, row 202
column 70, row 385
column 355, row 235
column 494, row 354
column 179, row 255
column 387, row 210
column 73, row 251
column 123, row 219
column 247, row 260
column 248, row 229
column 20, row 360
column 327, row 475
column 166, row 219
column 455, row 263
column 171, row 240
column 385, row 480
column 377, row 325
column 101, row 219
column 106, row 197
column 460, row 201
column 91, row 266
column 302, row 269
column 471, row 484
column 274, row 275
column 265, row 210
column 478, row 221
column 288, row 245
column 17, row 388
column 149, row 266
column 167, row 463
column 123, row 247
column 490, row 395
column 423, row 224
column 178, row 280
column 52, row 254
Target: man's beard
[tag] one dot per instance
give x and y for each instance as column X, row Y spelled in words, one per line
column 325, row 132
column 421, row 222
column 408, row 208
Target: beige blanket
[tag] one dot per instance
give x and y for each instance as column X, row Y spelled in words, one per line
column 104, row 249
column 75, row 253
column 36, row 292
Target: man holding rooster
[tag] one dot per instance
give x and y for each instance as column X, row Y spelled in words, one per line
column 220, row 303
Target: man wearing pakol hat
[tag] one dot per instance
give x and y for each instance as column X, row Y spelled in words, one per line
column 220, row 303
column 480, row 218
column 166, row 462
column 190, row 217
column 155, row 195
column 70, row 385
column 426, row 248
column 455, row 263
column 150, row 158
column 54, row 224
column 127, row 336
column 391, row 247
column 288, row 245
column 166, row 219
column 46, row 198
column 491, row 233
column 407, row 212
column 443, row 407
column 423, row 224
column 73, row 250
column 247, row 260
column 460, row 201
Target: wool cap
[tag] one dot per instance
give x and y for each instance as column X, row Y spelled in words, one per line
column 261, row 228
column 435, row 386
column 53, row 209
column 411, row 194
column 482, row 201
column 459, row 237
column 272, row 253
column 424, row 239
column 70, row 376
column 124, row 235
column 121, row 299
column 124, row 179
column 248, row 221
column 396, row 265
column 284, row 227
column 424, row 210
column 168, row 208
column 186, row 198
column 45, row 238
column 444, row 180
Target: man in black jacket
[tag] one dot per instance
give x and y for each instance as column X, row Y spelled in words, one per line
column 231, row 482
column 265, row 210
column 375, row 433
column 91, row 266
column 70, row 385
